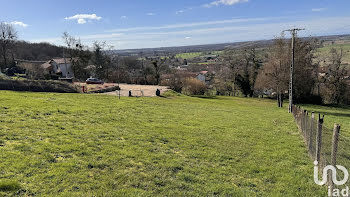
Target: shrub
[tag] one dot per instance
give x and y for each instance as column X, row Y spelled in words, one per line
column 193, row 86
column 109, row 89
column 37, row 86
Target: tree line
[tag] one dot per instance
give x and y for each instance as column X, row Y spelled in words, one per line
column 97, row 60
column 251, row 71
column 256, row 72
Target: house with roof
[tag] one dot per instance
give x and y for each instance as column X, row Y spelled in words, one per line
column 61, row 68
column 202, row 76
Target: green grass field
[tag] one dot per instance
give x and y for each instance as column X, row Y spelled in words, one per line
column 325, row 51
column 339, row 115
column 189, row 55
column 96, row 145
column 333, row 114
column 196, row 54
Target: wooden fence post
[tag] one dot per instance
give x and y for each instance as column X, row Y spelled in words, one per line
column 319, row 138
column 336, row 131
column 302, row 121
column 306, row 126
column 305, row 123
column 311, row 133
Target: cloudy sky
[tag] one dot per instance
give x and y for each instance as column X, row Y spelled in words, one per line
column 127, row 24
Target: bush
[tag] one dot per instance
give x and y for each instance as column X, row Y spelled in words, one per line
column 37, row 86
column 110, row 89
column 194, row 87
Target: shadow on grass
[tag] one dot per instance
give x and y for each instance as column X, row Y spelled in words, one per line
column 9, row 185
column 333, row 113
column 338, row 106
column 204, row 97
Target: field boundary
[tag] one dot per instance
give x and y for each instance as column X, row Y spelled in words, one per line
column 326, row 146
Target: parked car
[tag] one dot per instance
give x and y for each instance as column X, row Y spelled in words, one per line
column 94, row 81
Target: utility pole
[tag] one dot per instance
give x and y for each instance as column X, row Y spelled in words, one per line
column 291, row 81
column 118, row 66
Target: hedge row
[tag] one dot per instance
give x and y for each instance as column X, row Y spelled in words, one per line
column 37, row 86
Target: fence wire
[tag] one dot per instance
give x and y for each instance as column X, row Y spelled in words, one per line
column 317, row 136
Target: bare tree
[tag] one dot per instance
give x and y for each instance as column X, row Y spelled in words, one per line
column 102, row 60
column 159, row 65
column 305, row 70
column 72, row 43
column 8, row 36
column 230, row 60
column 274, row 76
column 245, row 65
column 335, row 77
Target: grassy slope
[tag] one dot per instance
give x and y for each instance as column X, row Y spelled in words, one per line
column 60, row 144
column 325, row 51
column 339, row 115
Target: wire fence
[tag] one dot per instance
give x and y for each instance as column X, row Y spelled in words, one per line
column 325, row 145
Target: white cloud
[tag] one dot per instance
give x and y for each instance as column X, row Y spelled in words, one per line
column 151, row 14
column 83, row 18
column 318, row 9
column 183, row 10
column 124, row 17
column 180, row 11
column 188, row 25
column 18, row 23
column 224, row 2
column 214, row 32
column 101, row 36
column 81, row 21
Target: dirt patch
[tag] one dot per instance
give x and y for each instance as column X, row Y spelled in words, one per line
column 138, row 90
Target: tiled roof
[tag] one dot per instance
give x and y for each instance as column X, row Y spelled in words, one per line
column 62, row 60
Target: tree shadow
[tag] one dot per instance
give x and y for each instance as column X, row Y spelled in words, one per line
column 334, row 113
column 204, row 97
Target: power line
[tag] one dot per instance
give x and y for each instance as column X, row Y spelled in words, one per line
column 294, row 33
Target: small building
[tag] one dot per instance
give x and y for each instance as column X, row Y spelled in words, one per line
column 202, row 76
column 61, row 67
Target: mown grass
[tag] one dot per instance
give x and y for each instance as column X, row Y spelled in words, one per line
column 95, row 145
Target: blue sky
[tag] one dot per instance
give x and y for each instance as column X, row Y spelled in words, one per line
column 127, row 24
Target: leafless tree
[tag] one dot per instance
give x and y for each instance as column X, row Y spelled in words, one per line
column 245, row 65
column 159, row 65
column 335, row 81
column 275, row 74
column 78, row 55
column 8, row 36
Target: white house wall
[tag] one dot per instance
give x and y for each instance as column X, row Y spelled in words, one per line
column 67, row 71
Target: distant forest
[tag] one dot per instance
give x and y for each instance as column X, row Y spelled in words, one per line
column 36, row 51
column 46, row 51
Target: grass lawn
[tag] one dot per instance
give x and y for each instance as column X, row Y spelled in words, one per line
column 95, row 145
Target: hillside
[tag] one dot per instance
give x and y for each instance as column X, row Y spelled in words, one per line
column 87, row 145
column 219, row 47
